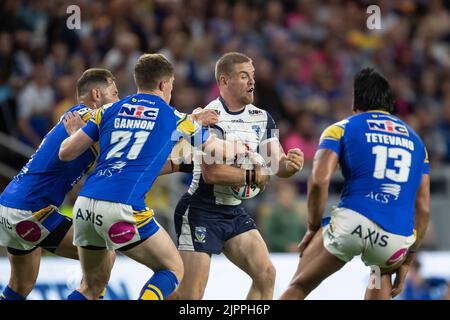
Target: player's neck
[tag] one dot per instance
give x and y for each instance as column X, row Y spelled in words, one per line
column 152, row 92
column 88, row 104
column 232, row 104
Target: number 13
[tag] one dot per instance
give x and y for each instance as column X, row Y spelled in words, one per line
column 402, row 163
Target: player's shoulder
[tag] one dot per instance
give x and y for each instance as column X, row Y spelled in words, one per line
column 336, row 130
column 215, row 104
column 84, row 111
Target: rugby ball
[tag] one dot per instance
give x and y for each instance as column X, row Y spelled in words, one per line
column 247, row 162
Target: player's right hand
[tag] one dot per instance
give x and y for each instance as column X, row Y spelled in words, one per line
column 72, row 122
column 206, row 117
column 262, row 178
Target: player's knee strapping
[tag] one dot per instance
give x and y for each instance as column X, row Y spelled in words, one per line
column 76, row 295
column 160, row 285
column 10, row 294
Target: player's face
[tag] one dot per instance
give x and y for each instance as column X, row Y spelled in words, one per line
column 242, row 82
column 167, row 89
column 110, row 93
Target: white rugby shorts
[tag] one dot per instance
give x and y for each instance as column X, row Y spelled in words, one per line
column 25, row 229
column 110, row 225
column 349, row 234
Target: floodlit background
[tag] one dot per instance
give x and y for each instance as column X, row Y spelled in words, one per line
column 305, row 53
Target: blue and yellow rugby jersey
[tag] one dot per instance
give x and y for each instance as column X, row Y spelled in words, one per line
column 45, row 179
column 382, row 160
column 136, row 136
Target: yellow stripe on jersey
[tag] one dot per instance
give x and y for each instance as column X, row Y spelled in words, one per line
column 426, row 156
column 142, row 217
column 182, row 119
column 149, row 295
column 97, row 118
column 86, row 116
column 160, row 295
column 186, row 126
column 333, row 132
column 42, row 214
column 95, row 148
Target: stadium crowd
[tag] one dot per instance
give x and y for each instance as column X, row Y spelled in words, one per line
column 305, row 53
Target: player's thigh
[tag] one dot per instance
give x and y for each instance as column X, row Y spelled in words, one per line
column 157, row 252
column 196, row 274
column 316, row 264
column 249, row 252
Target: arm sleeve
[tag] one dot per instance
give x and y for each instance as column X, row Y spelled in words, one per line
column 271, row 130
column 190, row 130
column 426, row 164
column 91, row 128
column 331, row 137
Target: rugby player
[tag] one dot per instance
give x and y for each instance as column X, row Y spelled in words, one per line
column 29, row 216
column 208, row 218
column 136, row 135
column 385, row 204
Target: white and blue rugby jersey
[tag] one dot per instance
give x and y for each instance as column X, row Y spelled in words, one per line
column 136, row 136
column 45, row 179
column 382, row 160
column 251, row 126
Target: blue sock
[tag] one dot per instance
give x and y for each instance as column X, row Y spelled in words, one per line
column 9, row 294
column 76, row 295
column 160, row 285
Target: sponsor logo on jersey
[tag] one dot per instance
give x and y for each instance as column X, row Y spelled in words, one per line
column 254, row 112
column 391, row 188
column 140, row 112
column 387, row 126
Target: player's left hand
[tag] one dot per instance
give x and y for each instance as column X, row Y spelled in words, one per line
column 206, row 117
column 305, row 241
column 400, row 275
column 72, row 122
column 295, row 159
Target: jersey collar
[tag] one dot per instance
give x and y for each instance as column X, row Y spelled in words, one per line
column 228, row 110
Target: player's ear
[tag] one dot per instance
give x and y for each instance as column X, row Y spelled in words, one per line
column 161, row 85
column 95, row 94
column 223, row 80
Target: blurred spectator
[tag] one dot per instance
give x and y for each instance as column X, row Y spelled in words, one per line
column 121, row 59
column 65, row 96
column 284, row 226
column 304, row 136
column 35, row 102
column 444, row 126
column 419, row 288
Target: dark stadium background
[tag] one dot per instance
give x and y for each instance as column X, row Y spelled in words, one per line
column 305, row 53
